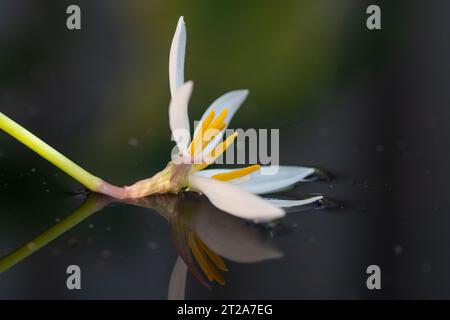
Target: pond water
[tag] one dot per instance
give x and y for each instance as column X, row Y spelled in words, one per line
column 155, row 233
column 369, row 107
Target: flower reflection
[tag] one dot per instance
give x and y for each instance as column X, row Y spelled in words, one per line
column 204, row 237
column 208, row 235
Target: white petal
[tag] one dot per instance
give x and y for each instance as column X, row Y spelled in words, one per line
column 177, row 284
column 235, row 201
column 283, row 178
column 178, row 116
column 230, row 237
column 176, row 57
column 284, row 203
column 232, row 101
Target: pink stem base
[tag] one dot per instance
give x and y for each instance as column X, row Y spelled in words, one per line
column 112, row 191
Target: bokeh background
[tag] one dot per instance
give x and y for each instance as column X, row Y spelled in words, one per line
column 367, row 106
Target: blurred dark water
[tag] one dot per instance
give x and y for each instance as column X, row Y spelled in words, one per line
column 369, row 107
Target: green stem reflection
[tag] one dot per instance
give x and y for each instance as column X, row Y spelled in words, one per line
column 92, row 204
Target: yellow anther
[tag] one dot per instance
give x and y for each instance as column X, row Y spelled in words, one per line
column 235, row 174
column 216, row 152
column 208, row 268
column 217, row 123
column 214, row 257
column 209, row 129
column 214, row 128
column 222, row 126
column 197, row 142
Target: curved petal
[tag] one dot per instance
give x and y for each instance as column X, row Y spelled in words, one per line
column 176, row 57
column 230, row 237
column 177, row 284
column 283, row 177
column 284, row 203
column 232, row 101
column 178, row 116
column 235, row 201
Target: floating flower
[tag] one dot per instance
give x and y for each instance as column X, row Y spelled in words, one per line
column 231, row 190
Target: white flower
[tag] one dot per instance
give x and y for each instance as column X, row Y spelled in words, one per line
column 216, row 118
column 231, row 190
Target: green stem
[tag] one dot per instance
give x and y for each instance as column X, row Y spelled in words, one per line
column 90, row 181
column 93, row 204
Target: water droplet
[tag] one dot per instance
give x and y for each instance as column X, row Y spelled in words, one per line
column 105, row 254
column 73, row 241
column 398, row 249
column 133, row 142
column 425, row 268
column 152, row 245
column 33, row 170
column 91, row 226
column 31, row 246
column 56, row 251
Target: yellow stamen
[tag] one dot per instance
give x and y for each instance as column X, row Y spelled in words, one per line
column 218, row 261
column 217, row 123
column 216, row 152
column 209, row 130
column 197, row 144
column 205, row 264
column 235, row 174
column 214, row 128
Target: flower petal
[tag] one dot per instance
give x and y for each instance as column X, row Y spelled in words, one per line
column 178, row 116
column 232, row 101
column 176, row 57
column 283, row 177
column 177, row 284
column 230, row 237
column 235, row 201
column 285, row 203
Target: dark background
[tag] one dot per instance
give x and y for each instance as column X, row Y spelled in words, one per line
column 370, row 107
